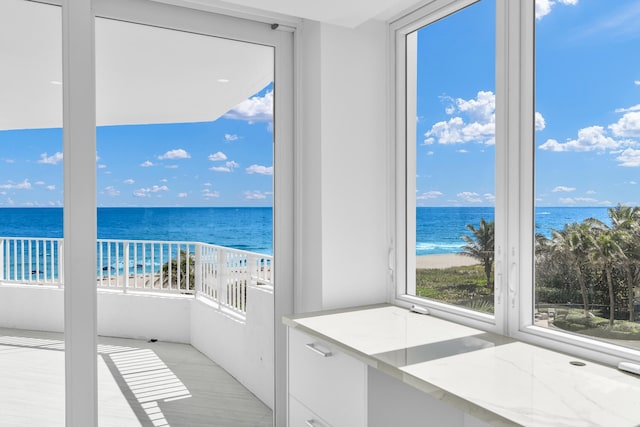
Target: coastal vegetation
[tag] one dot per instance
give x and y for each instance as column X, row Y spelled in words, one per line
column 178, row 270
column 587, row 275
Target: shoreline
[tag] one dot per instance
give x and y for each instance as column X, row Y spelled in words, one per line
column 444, row 261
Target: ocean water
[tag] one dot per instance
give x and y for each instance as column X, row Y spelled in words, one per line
column 249, row 229
column 438, row 230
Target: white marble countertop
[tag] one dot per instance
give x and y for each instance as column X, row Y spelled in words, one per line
column 497, row 379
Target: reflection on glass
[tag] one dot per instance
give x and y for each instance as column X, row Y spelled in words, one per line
column 185, row 188
column 31, row 199
column 587, row 215
column 451, row 87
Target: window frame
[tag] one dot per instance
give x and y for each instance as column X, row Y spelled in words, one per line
column 515, row 179
column 404, row 222
column 237, row 26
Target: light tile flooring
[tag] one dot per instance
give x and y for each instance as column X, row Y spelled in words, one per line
column 139, row 384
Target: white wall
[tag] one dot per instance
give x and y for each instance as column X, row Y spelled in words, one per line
column 343, row 166
column 30, row 307
column 145, row 316
column 140, row 316
column 243, row 348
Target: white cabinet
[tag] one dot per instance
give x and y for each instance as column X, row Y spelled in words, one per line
column 301, row 416
column 324, row 381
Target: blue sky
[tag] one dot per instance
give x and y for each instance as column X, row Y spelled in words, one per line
column 227, row 162
column 587, row 105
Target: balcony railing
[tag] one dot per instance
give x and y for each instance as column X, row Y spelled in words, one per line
column 216, row 272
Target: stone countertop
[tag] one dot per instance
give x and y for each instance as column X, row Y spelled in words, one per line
column 494, row 378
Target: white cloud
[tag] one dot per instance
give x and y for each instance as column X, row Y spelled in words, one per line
column 228, row 167
column 489, row 197
column 632, row 182
column 540, row 123
column 111, row 191
column 217, row 157
column 208, row 194
column 480, row 127
column 50, row 187
column 261, row 170
column 146, row 192
column 462, row 151
column 543, row 7
column 219, row 169
column 171, row 166
column 175, row 154
column 207, row 184
column 147, row 164
column 9, row 161
column 628, row 125
column 128, row 181
column 630, row 109
column 429, row 153
column 563, row 189
column 230, row 138
column 53, row 159
column 637, row 82
column 629, row 158
column 39, row 183
column 429, row 195
column 469, row 197
column 102, row 166
column 255, row 109
column 256, row 195
column 24, row 185
column 182, row 195
column 589, row 139
column 574, row 200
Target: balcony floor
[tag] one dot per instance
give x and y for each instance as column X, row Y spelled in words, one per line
column 139, row 384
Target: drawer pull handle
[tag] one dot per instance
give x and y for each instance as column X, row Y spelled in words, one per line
column 316, row 350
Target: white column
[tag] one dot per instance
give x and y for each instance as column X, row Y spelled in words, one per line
column 80, row 230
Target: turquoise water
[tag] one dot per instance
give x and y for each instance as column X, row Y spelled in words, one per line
column 248, row 229
column 438, row 229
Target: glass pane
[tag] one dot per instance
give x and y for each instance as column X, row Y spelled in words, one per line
column 587, row 217
column 454, row 122
column 185, row 203
column 31, row 216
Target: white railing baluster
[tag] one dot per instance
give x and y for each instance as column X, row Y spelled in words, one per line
column 125, row 266
column 52, row 252
column 44, row 260
column 60, row 263
column 152, row 264
column 3, row 262
column 219, row 273
column 197, row 278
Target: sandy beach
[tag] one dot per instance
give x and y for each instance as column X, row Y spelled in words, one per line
column 444, row 261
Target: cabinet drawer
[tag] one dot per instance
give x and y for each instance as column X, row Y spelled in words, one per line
column 301, row 416
column 329, row 382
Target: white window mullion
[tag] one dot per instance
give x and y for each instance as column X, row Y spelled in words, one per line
column 522, row 15
column 502, row 162
column 79, row 120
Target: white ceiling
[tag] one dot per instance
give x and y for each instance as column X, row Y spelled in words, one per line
column 143, row 74
column 347, row 13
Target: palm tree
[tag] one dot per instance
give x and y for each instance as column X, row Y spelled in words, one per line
column 187, row 269
column 606, row 252
column 481, row 245
column 573, row 242
column 625, row 220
